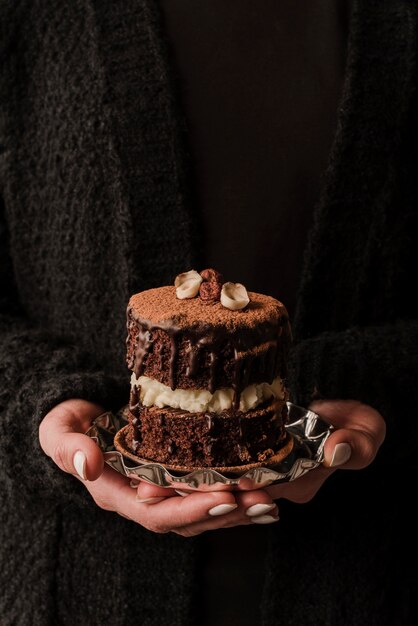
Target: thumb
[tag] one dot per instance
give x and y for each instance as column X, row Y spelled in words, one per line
column 360, row 430
column 70, row 449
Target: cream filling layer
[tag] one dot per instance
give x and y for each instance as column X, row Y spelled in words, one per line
column 154, row 393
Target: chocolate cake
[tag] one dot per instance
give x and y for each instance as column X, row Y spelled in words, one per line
column 208, row 368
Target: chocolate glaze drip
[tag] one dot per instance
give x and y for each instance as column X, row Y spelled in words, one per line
column 134, row 401
column 193, row 366
column 173, row 355
column 160, row 356
column 137, row 428
column 134, row 396
column 213, row 340
column 236, row 381
column 130, row 325
column 143, row 347
column 213, row 360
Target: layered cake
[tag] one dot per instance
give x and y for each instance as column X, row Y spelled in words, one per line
column 208, row 385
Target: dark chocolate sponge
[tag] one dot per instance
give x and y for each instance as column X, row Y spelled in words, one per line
column 207, row 439
column 272, row 461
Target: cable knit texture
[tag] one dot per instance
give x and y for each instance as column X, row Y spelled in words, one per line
column 97, row 204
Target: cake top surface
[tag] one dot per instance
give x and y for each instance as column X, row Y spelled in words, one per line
column 161, row 307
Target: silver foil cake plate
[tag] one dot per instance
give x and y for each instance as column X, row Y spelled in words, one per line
column 308, row 430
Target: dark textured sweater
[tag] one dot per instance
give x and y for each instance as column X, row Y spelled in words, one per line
column 95, row 181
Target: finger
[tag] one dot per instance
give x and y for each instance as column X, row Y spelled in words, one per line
column 176, row 511
column 72, row 451
column 360, row 432
column 107, row 491
column 254, row 502
column 302, row 489
column 252, row 505
column 191, row 530
column 350, row 449
column 75, row 415
column 346, row 449
column 78, row 454
column 146, row 492
column 112, row 492
column 352, row 415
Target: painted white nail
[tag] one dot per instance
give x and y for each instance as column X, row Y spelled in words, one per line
column 153, row 500
column 79, row 462
column 341, row 454
column 264, row 519
column 221, row 509
column 259, row 509
column 182, row 493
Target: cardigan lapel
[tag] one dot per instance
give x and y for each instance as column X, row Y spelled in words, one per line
column 148, row 131
column 359, row 181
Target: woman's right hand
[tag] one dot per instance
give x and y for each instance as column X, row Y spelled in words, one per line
column 159, row 509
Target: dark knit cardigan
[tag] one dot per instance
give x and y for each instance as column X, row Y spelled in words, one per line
column 97, row 203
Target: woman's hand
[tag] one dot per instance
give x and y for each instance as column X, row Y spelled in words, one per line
column 158, row 509
column 360, row 431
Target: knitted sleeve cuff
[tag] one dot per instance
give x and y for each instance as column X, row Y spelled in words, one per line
column 38, row 373
column 376, row 365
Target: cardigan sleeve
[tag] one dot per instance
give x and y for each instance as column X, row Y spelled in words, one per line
column 375, row 365
column 37, row 371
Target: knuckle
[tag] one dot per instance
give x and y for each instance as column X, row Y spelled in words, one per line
column 42, row 434
column 368, row 451
column 60, row 458
column 103, row 503
column 153, row 525
column 380, row 429
column 157, row 528
column 304, row 496
column 188, row 532
column 225, row 521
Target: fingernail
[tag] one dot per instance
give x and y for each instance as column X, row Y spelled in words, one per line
column 182, row 493
column 134, row 483
column 342, row 453
column 153, row 500
column 79, row 462
column 259, row 509
column 265, row 519
column 221, row 509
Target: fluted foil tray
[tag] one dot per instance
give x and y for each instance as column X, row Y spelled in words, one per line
column 309, row 434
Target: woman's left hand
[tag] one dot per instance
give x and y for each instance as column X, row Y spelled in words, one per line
column 359, row 432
